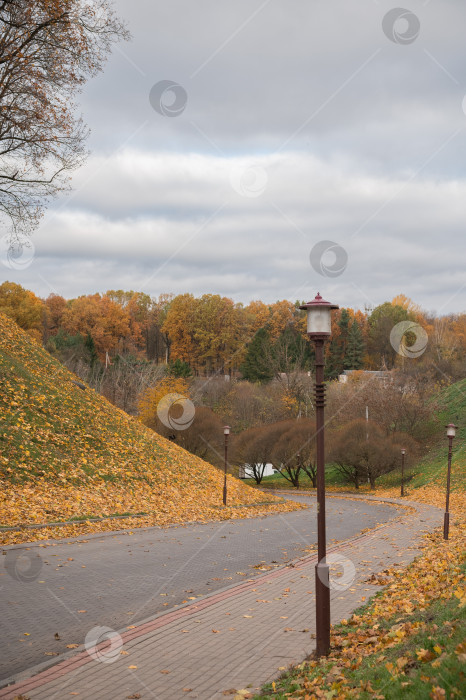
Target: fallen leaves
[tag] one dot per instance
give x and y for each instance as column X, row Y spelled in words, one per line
column 390, row 622
column 68, row 454
column 425, row 655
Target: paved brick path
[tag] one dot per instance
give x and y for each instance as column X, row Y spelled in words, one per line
column 119, row 579
column 240, row 636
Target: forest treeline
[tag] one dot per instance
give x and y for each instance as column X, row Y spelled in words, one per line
column 251, row 366
column 212, row 334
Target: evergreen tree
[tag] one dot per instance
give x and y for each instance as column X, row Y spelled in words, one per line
column 178, row 368
column 333, row 361
column 291, row 352
column 338, row 346
column 354, row 357
column 89, row 344
column 257, row 366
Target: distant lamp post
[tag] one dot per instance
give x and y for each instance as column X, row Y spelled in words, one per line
column 451, row 432
column 226, row 432
column 403, row 452
column 319, row 329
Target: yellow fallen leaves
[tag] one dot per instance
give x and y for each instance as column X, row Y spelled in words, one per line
column 436, row 575
column 69, row 454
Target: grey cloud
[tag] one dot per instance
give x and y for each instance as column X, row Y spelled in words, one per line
column 361, row 140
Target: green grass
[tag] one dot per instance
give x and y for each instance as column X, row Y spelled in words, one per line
column 433, row 466
column 442, row 626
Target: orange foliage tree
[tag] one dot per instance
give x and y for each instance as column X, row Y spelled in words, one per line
column 151, row 398
column 207, row 332
column 23, row 307
column 100, row 317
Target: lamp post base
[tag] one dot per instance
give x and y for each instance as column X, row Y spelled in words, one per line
column 446, row 525
column 322, row 610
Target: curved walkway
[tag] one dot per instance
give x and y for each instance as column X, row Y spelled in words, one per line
column 57, row 592
column 242, row 635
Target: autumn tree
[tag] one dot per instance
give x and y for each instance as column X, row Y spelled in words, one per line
column 244, row 404
column 290, row 445
column 381, row 322
column 167, row 408
column 48, row 49
column 282, row 315
column 105, row 321
column 124, row 380
column 23, row 307
column 363, row 451
column 257, row 315
column 180, row 326
column 396, row 402
column 55, row 306
column 151, row 397
column 204, row 436
column 206, row 332
column 138, row 307
column 295, row 450
column 252, row 449
column 158, row 344
column 218, row 333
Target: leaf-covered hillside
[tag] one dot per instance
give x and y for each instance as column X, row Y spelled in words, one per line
column 67, row 453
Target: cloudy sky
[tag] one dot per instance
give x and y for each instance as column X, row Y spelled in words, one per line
column 306, row 145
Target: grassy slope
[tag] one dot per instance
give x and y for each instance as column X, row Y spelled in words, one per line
column 68, row 453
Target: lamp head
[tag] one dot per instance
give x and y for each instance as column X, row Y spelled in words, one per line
column 226, row 430
column 319, row 317
column 451, row 430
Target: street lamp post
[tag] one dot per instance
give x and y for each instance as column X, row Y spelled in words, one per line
column 319, row 329
column 451, row 432
column 403, row 452
column 226, row 432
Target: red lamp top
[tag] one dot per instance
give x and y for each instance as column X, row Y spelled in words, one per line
column 318, row 302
